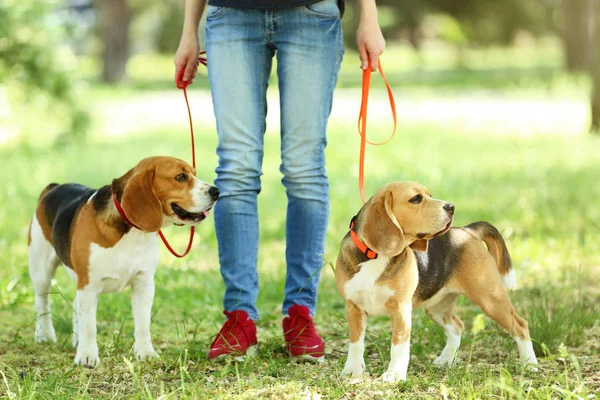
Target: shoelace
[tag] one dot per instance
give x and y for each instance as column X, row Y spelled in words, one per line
column 232, row 328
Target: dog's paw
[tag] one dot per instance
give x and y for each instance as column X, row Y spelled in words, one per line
column 87, row 360
column 354, row 368
column 393, row 377
column 531, row 365
column 443, row 361
column 44, row 335
column 145, row 353
column 87, row 357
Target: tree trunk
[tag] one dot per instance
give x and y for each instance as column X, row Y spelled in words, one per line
column 115, row 18
column 595, row 127
column 576, row 35
column 594, row 62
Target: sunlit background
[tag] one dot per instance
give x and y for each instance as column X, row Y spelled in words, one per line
column 498, row 111
column 69, row 69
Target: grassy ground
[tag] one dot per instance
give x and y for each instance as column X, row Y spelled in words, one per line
column 541, row 192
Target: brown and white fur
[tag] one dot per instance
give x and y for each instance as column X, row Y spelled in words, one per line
column 82, row 229
column 402, row 217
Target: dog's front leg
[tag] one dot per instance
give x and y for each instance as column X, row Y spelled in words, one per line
column 400, row 352
column 357, row 324
column 142, row 296
column 87, row 348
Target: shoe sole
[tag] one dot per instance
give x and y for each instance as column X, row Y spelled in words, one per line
column 251, row 352
column 309, row 358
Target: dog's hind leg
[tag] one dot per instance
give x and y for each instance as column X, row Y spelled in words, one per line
column 488, row 292
column 442, row 313
column 42, row 266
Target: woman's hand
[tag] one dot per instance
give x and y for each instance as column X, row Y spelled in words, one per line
column 187, row 57
column 369, row 38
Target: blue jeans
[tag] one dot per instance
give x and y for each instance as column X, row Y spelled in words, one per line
column 241, row 44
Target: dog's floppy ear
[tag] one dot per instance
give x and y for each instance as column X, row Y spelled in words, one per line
column 419, row 245
column 139, row 201
column 380, row 228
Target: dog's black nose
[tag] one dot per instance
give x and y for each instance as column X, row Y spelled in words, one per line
column 449, row 207
column 214, row 192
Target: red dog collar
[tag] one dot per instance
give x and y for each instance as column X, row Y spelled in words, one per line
column 370, row 254
column 122, row 212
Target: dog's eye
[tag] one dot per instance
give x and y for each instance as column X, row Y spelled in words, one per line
column 181, row 178
column 416, row 200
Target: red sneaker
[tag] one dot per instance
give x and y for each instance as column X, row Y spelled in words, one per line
column 237, row 337
column 301, row 337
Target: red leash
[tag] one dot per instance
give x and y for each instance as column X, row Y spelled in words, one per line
column 362, row 124
column 362, row 130
column 181, row 85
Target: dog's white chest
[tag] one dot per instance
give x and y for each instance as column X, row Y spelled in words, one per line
column 112, row 269
column 363, row 290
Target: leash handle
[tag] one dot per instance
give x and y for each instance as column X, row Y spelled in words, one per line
column 181, row 84
column 362, row 123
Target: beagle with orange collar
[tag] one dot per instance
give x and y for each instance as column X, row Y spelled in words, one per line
column 107, row 239
column 378, row 272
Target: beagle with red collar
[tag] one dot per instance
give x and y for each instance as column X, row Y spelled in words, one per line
column 401, row 254
column 107, row 239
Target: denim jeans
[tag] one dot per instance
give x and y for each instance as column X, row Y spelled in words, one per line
column 241, row 44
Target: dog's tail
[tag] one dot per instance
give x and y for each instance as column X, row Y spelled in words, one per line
column 497, row 248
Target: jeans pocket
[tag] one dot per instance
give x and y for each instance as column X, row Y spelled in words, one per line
column 327, row 9
column 214, row 11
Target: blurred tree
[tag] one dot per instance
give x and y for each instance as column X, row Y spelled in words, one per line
column 570, row 20
column 576, row 34
column 397, row 19
column 31, row 63
column 170, row 26
column 115, row 17
column 477, row 22
column 576, row 22
column 594, row 58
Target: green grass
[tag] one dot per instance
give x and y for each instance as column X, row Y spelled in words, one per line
column 541, row 192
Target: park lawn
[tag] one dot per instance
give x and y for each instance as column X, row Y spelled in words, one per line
column 540, row 191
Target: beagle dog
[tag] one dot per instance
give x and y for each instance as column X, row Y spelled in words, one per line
column 107, row 239
column 401, row 254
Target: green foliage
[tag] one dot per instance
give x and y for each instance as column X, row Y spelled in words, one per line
column 478, row 22
column 451, row 30
column 169, row 30
column 32, row 65
column 492, row 22
column 560, row 324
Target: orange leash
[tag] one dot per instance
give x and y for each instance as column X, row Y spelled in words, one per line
column 183, row 85
column 362, row 124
